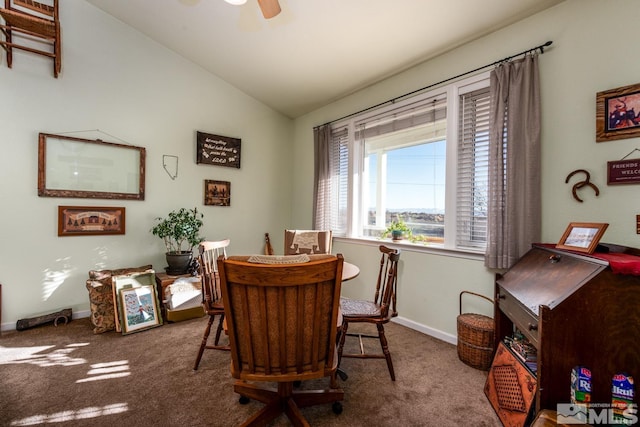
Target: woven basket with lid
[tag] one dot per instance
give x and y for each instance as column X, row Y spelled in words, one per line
column 475, row 337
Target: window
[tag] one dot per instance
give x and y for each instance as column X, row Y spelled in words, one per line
column 422, row 160
column 473, row 169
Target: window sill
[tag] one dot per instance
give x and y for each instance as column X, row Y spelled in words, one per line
column 433, row 249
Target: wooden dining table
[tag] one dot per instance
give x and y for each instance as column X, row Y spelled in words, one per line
column 349, row 271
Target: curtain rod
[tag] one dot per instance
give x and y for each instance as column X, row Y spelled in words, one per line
column 508, row 58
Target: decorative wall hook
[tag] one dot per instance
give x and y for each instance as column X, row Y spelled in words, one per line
column 580, row 184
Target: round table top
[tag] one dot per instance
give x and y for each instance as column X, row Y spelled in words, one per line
column 349, row 271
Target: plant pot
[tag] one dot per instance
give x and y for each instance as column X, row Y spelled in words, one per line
column 179, row 262
column 396, row 235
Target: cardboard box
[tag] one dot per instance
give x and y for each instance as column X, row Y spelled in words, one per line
column 184, row 293
column 179, row 315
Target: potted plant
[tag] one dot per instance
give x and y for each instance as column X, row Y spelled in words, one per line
column 398, row 230
column 180, row 232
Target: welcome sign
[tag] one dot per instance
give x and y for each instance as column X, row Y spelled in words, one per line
column 623, row 172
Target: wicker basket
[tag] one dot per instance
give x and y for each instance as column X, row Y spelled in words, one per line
column 475, row 337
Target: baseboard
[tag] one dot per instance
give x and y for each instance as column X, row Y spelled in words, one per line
column 74, row 315
column 443, row 336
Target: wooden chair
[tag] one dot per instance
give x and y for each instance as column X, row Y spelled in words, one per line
column 281, row 320
column 378, row 312
column 307, row 242
column 211, row 295
column 43, row 27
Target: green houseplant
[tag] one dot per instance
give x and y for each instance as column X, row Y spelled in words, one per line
column 398, row 230
column 180, row 232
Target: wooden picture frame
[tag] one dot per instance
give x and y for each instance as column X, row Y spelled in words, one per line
column 618, row 113
column 94, row 169
column 91, row 220
column 582, row 236
column 217, row 193
column 139, row 309
column 126, row 281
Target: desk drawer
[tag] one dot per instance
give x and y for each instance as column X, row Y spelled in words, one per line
column 522, row 318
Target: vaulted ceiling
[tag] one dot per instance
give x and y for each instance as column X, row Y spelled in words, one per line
column 314, row 51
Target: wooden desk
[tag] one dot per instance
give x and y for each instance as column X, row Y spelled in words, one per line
column 575, row 310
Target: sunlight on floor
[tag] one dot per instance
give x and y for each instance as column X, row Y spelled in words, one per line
column 80, row 414
column 57, row 357
column 48, row 356
column 106, row 371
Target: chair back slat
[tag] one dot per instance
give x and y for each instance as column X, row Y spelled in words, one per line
column 385, row 295
column 43, row 8
column 209, row 253
column 281, row 318
column 307, row 242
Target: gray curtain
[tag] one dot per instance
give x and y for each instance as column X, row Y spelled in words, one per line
column 321, row 177
column 514, row 206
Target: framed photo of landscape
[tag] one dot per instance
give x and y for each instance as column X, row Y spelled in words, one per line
column 138, row 309
column 582, row 236
column 217, row 193
column 618, row 113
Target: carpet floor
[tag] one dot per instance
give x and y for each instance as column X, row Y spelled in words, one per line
column 67, row 376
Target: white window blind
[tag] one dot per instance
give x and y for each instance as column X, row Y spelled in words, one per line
column 339, row 163
column 473, row 172
column 416, row 115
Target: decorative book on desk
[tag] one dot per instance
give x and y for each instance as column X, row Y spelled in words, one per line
column 511, row 388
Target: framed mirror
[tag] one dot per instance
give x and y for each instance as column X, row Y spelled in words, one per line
column 84, row 168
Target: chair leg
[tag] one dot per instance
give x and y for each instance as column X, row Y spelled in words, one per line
column 9, row 49
column 286, row 399
column 57, row 59
column 343, row 336
column 295, row 416
column 205, row 337
column 385, row 350
column 219, row 330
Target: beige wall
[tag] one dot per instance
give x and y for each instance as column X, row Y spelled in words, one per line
column 592, row 51
column 118, row 81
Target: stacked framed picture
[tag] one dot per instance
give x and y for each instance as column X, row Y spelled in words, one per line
column 136, row 301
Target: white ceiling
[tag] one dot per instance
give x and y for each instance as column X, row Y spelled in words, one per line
column 315, row 51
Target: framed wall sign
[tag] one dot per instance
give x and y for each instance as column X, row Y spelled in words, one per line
column 90, row 221
column 76, row 167
column 618, row 113
column 217, row 193
column 217, row 150
column 623, row 172
column 582, row 236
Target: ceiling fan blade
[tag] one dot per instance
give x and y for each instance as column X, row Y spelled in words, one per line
column 270, row 8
